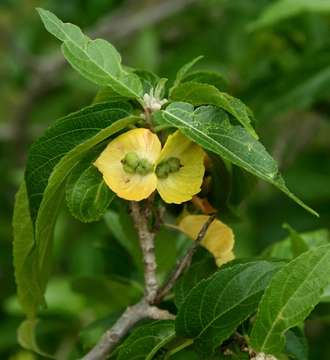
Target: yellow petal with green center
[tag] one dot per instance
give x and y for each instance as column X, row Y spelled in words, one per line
column 181, row 185
column 130, row 186
column 218, row 240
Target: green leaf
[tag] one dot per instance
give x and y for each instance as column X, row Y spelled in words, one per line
column 216, row 306
column 284, row 9
column 205, row 94
column 183, row 71
column 149, row 80
column 283, row 249
column 62, row 137
column 26, row 336
column 63, row 146
column 52, row 198
column 185, row 355
column 207, row 77
column 107, row 94
column 122, row 228
column 96, row 60
column 29, row 292
column 298, row 244
column 289, row 298
column 147, row 340
column 210, row 127
column 87, row 195
column 196, row 272
column 296, row 344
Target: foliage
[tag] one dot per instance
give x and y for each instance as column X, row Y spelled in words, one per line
column 258, row 107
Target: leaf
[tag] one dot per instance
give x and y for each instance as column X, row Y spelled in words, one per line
column 183, row 71
column 284, row 9
column 185, row 355
column 216, row 306
column 205, row 94
column 210, row 127
column 29, row 292
column 147, row 340
column 107, row 94
column 296, row 344
column 52, row 195
column 87, row 195
column 207, row 77
column 26, row 335
column 196, row 272
column 289, row 298
column 61, row 138
column 283, row 249
column 122, row 228
column 298, row 244
column 149, row 80
column 35, row 263
column 96, row 60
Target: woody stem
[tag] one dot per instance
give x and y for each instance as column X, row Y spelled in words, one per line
column 146, row 236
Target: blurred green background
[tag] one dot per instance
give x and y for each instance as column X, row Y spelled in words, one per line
column 275, row 56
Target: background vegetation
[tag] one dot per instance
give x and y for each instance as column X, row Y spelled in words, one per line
column 278, row 62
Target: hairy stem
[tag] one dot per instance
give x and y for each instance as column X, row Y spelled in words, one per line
column 146, row 237
column 145, row 308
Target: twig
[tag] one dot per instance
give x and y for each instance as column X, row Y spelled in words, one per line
column 131, row 316
column 146, row 238
column 183, row 263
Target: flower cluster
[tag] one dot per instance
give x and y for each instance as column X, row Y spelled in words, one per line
column 134, row 165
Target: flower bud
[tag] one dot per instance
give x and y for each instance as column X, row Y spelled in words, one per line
column 131, row 159
column 144, row 167
column 162, row 170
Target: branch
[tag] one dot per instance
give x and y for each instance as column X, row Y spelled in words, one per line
column 131, row 316
column 146, row 238
column 144, row 308
column 183, row 263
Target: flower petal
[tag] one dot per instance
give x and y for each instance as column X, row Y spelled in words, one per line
column 129, row 186
column 226, row 257
column 218, row 240
column 182, row 185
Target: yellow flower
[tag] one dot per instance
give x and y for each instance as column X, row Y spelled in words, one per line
column 134, row 166
column 218, row 240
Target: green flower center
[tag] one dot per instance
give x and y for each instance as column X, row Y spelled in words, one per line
column 132, row 164
column 167, row 167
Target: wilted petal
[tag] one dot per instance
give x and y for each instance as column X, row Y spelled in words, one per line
column 218, row 240
column 226, row 257
column 129, row 186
